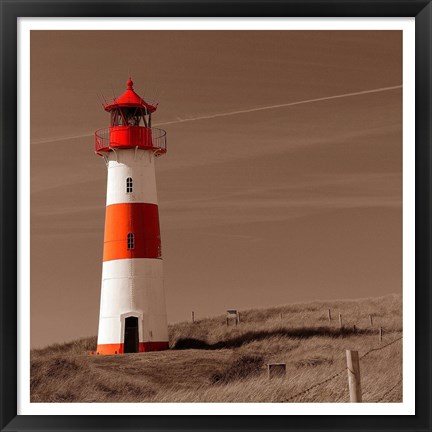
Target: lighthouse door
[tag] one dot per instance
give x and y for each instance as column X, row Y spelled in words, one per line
column 131, row 335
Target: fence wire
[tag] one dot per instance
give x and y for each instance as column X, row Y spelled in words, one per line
column 389, row 391
column 380, row 348
column 315, row 385
column 303, row 392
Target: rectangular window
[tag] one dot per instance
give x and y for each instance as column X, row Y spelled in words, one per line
column 129, row 185
column 130, row 241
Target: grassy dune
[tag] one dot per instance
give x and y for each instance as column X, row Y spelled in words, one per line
column 210, row 362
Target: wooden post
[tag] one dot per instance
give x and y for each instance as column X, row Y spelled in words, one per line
column 340, row 320
column 371, row 320
column 232, row 314
column 380, row 334
column 354, row 328
column 193, row 316
column 276, row 370
column 354, row 383
column 281, row 315
column 329, row 314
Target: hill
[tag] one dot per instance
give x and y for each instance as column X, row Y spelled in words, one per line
column 212, row 362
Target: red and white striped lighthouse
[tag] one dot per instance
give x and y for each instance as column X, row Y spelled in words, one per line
column 132, row 309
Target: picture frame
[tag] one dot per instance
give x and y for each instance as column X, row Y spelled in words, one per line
column 12, row 10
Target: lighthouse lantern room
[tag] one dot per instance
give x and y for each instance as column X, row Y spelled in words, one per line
column 132, row 308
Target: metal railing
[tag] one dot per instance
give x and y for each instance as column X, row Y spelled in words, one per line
column 102, row 139
column 149, row 138
column 159, row 140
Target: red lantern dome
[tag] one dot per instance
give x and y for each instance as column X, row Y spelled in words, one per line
column 130, row 99
column 130, row 125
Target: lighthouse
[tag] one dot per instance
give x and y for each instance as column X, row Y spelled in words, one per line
column 132, row 306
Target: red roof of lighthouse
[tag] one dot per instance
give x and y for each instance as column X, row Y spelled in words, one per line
column 130, row 99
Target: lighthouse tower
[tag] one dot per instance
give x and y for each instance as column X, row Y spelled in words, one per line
column 132, row 308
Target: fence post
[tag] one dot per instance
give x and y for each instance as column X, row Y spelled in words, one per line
column 353, row 366
column 340, row 320
column 193, row 316
column 238, row 317
column 329, row 314
column 281, row 315
column 380, row 334
column 371, row 320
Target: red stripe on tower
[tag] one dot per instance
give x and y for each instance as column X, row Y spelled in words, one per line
column 132, row 231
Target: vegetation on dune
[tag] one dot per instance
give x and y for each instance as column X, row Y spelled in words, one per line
column 210, row 362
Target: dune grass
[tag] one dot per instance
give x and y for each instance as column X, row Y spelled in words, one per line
column 210, row 362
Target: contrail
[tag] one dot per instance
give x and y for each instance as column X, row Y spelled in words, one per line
column 50, row 140
column 249, row 110
column 244, row 111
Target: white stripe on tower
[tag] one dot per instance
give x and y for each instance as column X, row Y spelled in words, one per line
column 140, row 167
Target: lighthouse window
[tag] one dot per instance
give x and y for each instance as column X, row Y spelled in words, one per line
column 118, row 118
column 129, row 185
column 130, row 241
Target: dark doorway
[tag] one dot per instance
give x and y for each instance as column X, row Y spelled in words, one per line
column 131, row 335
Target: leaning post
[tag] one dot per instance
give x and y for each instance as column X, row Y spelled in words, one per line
column 354, row 383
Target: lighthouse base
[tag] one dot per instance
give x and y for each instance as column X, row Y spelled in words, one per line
column 112, row 349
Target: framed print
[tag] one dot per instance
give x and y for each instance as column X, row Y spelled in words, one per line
column 215, row 216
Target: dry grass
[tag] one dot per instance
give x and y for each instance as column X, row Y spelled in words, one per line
column 210, row 362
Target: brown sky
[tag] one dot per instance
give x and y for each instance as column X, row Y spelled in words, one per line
column 262, row 208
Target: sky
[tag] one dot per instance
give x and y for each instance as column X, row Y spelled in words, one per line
column 283, row 177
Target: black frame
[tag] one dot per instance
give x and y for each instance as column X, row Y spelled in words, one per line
column 12, row 9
